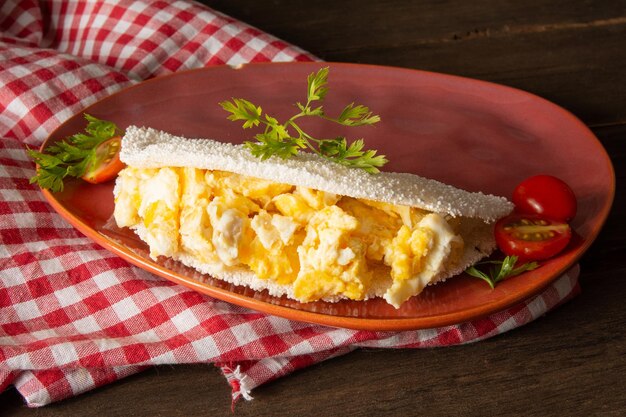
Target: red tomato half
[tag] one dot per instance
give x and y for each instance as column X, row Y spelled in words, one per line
column 107, row 164
column 531, row 237
column 547, row 196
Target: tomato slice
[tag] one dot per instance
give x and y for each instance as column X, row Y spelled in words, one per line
column 107, row 163
column 547, row 196
column 531, row 237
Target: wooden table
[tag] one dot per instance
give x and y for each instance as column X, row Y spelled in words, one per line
column 570, row 362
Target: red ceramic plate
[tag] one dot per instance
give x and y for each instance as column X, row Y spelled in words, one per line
column 474, row 135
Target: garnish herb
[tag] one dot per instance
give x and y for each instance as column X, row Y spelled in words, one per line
column 500, row 270
column 72, row 156
column 287, row 139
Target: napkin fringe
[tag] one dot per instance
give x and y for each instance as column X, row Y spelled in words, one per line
column 238, row 382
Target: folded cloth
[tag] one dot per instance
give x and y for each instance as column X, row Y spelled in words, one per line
column 74, row 316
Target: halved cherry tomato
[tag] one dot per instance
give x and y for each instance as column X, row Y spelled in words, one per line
column 107, row 164
column 547, row 196
column 531, row 237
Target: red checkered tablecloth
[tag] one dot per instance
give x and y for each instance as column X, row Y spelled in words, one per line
column 72, row 315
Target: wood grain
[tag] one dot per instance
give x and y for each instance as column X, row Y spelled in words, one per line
column 548, row 48
column 570, row 362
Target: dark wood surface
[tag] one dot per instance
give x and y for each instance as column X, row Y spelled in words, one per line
column 570, row 362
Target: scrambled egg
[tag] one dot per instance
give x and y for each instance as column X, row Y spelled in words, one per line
column 324, row 245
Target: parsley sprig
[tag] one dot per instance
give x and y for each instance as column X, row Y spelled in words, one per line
column 287, row 139
column 500, row 270
column 73, row 156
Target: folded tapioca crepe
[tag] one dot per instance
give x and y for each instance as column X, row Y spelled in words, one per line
column 305, row 228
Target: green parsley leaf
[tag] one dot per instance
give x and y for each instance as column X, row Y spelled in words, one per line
column 287, row 139
column 267, row 146
column 72, row 156
column 357, row 116
column 241, row 109
column 100, row 128
column 353, row 156
column 500, row 270
column 316, row 85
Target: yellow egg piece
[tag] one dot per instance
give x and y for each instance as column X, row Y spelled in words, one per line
column 159, row 209
column 332, row 260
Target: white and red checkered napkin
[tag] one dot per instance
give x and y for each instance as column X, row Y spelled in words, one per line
column 74, row 316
